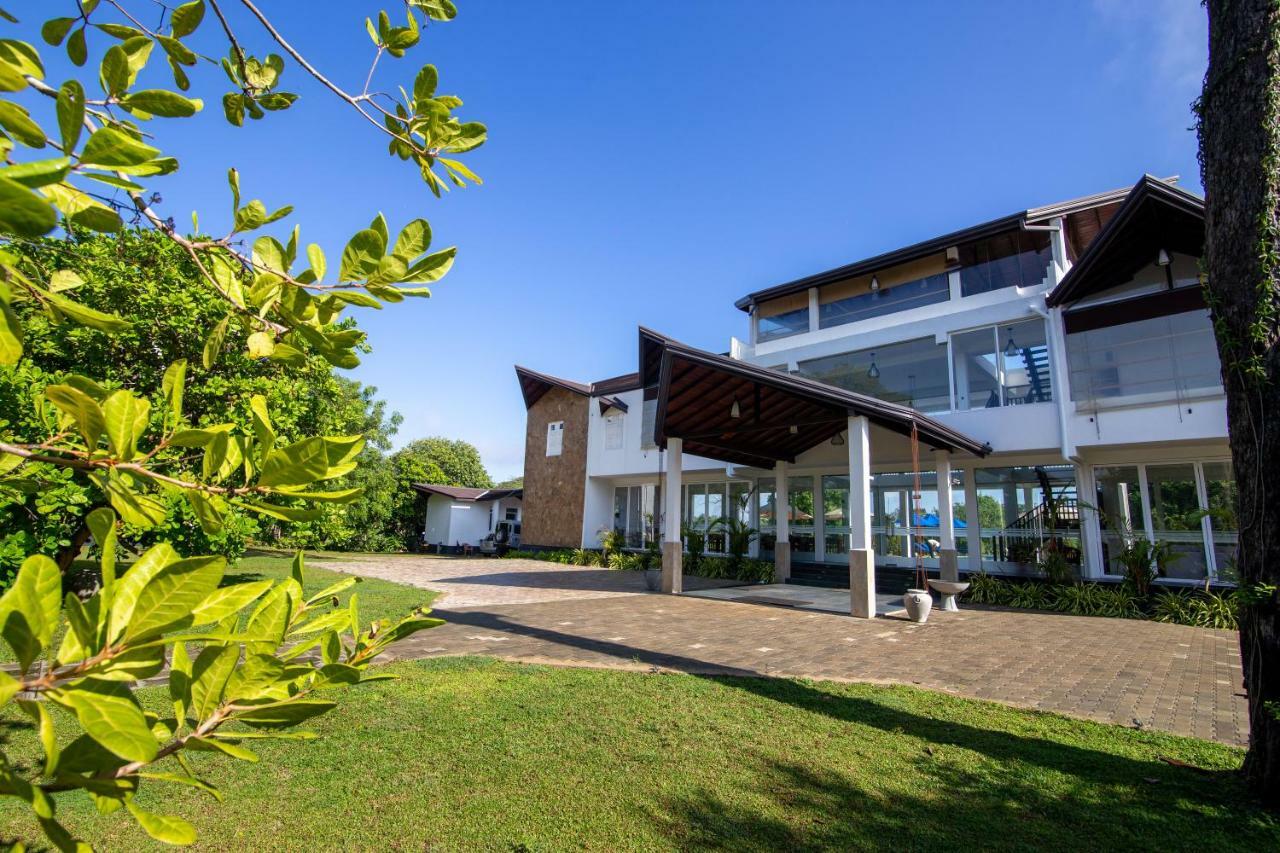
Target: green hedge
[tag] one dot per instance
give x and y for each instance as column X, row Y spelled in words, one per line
column 1202, row 608
column 747, row 570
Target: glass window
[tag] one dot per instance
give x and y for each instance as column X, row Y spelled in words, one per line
column 1159, row 358
column 835, row 517
column 891, row 502
column 1005, row 365
column 1021, row 509
column 650, row 504
column 555, row 438
column 620, row 509
column 740, row 502
column 1011, row 259
column 635, row 529
column 929, row 290
column 913, row 373
column 1220, row 490
column 697, row 514
column 1120, row 512
column 801, row 516
column 715, row 515
column 1175, row 518
column 784, row 324
column 766, row 518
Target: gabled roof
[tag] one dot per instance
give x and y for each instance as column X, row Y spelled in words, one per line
column 533, row 385
column 1034, row 215
column 1154, row 215
column 779, row 416
column 466, row 494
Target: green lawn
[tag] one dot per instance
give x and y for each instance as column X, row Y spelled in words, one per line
column 471, row 754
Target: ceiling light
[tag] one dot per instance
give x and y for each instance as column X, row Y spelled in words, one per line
column 875, row 284
column 794, row 429
column 1011, row 349
column 734, row 411
column 873, row 372
column 837, row 440
column 1162, row 259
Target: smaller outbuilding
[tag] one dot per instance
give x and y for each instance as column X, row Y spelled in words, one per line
column 459, row 519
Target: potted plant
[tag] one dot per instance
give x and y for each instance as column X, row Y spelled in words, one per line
column 652, row 566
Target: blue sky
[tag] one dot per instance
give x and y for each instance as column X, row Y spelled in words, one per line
column 650, row 163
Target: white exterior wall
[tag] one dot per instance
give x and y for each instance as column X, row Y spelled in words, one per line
column 438, row 518
column 468, row 522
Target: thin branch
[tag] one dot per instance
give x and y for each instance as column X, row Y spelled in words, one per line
column 235, row 46
column 81, row 463
column 136, row 22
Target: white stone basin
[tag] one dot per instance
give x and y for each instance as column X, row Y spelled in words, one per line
column 948, row 590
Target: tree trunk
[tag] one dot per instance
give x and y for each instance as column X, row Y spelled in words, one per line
column 1240, row 162
column 66, row 556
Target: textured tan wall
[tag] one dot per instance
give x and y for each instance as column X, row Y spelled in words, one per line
column 554, row 486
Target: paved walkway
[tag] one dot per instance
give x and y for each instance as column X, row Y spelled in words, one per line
column 1169, row 677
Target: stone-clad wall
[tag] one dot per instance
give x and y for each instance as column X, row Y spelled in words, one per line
column 555, row 486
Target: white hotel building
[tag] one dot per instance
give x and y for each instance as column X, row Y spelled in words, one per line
column 1057, row 367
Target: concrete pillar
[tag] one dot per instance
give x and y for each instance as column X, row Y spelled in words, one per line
column 672, row 547
column 948, row 567
column 782, row 525
column 862, row 566
column 973, row 524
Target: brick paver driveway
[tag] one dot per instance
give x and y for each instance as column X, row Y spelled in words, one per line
column 1169, row 677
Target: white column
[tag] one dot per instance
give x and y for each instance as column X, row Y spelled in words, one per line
column 973, row 523
column 862, row 568
column 813, row 309
column 948, row 568
column 672, row 547
column 782, row 525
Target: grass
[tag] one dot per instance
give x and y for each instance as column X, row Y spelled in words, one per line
column 379, row 599
column 475, row 754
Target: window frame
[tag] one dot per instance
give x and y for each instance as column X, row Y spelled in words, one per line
column 555, row 429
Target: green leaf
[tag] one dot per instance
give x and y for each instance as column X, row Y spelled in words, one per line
column 102, row 524
column 112, row 148
column 180, row 680
column 10, row 336
column 132, row 584
column 114, row 70
column 56, row 29
column 284, row 715
column 262, row 676
column 459, row 167
column 414, row 239
column 77, row 51
column 224, row 601
column 85, row 315
column 30, row 608
column 17, row 121
column 190, row 781
column 315, row 255
column 424, row 85
column 284, row 513
column 270, row 619
column 65, row 280
column 39, row 712
column 162, row 103
column 209, row 674
column 82, row 409
column 22, row 212
column 9, row 686
column 309, row 460
column 433, row 267
column 213, row 344
column 173, row 385
column 164, row 828
column 109, row 714
column 139, row 510
column 261, row 345
column 184, row 19
column 379, row 224
column 220, row 745
column 169, row 599
column 132, row 665
column 262, row 428
column 210, row 510
column 126, row 417
column 361, row 255
column 21, row 57
column 70, row 111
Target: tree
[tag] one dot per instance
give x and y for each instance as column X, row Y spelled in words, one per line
column 68, row 155
column 511, row 483
column 1239, row 126
column 148, row 276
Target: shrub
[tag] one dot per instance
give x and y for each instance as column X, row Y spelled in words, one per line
column 1053, row 563
column 612, row 541
column 985, row 589
column 1032, row 595
column 695, row 542
column 585, row 557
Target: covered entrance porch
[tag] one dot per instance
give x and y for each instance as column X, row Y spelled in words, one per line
column 770, row 422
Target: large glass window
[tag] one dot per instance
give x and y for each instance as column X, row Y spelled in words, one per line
column 903, row 529
column 766, row 518
column 1158, row 358
column 1021, row 509
column 635, row 514
column 801, row 517
column 786, row 315
column 835, row 518
column 1191, row 506
column 1006, row 365
column 913, row 373
column 1011, row 259
column 862, row 303
column 1120, row 512
column 716, row 515
column 1224, row 530
column 1175, row 518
